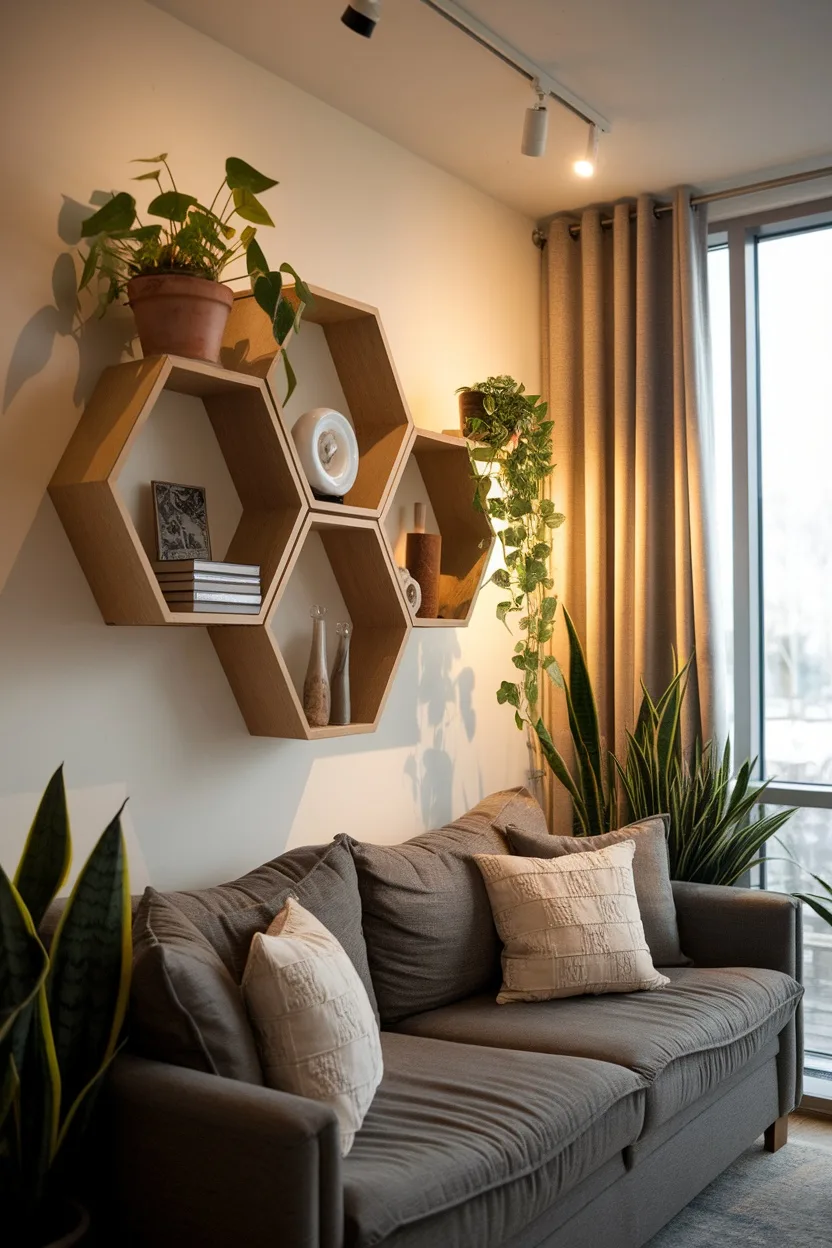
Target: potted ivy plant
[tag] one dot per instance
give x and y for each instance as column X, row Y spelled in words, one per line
column 498, row 411
column 61, row 1018
column 170, row 270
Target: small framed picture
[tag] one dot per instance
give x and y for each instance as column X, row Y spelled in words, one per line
column 181, row 521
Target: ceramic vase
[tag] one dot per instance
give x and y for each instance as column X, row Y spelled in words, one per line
column 340, row 684
column 316, row 694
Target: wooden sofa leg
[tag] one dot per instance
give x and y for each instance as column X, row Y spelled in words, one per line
column 777, row 1134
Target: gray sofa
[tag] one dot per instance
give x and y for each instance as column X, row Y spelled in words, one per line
column 557, row 1123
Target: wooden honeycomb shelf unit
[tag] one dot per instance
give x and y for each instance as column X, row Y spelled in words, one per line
column 256, row 665
column 85, row 487
column 467, row 536
column 367, row 375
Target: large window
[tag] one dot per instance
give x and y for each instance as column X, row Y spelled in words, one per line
column 771, row 326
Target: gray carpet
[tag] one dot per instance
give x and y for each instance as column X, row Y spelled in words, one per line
column 765, row 1200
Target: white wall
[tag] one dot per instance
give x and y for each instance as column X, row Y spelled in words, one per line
column 83, row 88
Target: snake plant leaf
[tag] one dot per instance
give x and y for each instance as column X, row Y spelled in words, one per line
column 23, row 969
column 90, row 965
column 558, row 766
column 118, row 213
column 40, row 1082
column 241, row 176
column 172, row 205
column 45, row 860
column 583, row 700
column 248, row 207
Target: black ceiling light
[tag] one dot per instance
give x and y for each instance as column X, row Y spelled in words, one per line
column 362, row 16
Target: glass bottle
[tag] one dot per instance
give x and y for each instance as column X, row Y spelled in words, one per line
column 340, row 712
column 316, row 685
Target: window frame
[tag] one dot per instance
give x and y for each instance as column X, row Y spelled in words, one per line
column 740, row 236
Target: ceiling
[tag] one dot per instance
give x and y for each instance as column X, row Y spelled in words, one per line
column 696, row 92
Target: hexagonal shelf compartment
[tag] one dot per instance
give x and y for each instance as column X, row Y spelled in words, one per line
column 342, row 360
column 341, row 563
column 270, row 500
column 437, row 471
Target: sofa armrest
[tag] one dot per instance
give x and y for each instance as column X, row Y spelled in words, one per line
column 198, row 1159
column 721, row 926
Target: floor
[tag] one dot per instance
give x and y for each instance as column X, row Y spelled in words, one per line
column 811, row 1129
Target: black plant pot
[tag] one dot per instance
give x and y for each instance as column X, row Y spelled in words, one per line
column 470, row 408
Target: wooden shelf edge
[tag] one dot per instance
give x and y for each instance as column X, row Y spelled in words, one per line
column 420, row 623
column 339, row 730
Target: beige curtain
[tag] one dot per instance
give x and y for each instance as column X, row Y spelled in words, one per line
column 626, row 367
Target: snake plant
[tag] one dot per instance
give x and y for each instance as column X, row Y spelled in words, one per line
column 713, row 838
column 61, row 1010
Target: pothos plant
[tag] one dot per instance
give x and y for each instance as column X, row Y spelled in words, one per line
column 193, row 239
column 511, row 459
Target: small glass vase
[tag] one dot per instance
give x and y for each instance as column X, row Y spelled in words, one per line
column 340, row 712
column 316, row 694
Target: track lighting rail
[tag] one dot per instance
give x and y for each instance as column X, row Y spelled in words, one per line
column 517, row 60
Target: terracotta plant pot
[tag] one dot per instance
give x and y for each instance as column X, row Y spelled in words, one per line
column 79, row 1220
column 470, row 405
column 180, row 315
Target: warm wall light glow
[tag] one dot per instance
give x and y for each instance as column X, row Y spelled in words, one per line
column 586, row 167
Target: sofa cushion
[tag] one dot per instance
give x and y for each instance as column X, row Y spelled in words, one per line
column 466, row 1145
column 185, row 1008
column 427, row 921
column 569, row 925
column 321, row 877
column 651, row 871
column 683, row 1039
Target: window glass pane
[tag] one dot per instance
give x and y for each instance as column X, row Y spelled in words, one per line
column 720, row 321
column 795, row 351
column 807, row 837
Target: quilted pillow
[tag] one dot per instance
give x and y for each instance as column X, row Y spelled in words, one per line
column 315, row 1029
column 569, row 926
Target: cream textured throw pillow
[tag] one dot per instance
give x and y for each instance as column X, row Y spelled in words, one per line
column 313, row 1023
column 568, row 925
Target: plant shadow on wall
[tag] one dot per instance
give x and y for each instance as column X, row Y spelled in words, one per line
column 98, row 342
column 445, row 701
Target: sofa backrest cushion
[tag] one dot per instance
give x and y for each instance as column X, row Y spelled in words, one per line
column 651, row 872
column 322, row 878
column 185, row 1008
column 427, row 920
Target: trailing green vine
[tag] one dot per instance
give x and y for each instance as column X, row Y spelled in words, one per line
column 511, row 458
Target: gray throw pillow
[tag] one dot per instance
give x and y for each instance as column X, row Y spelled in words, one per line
column 651, row 872
column 427, row 919
column 323, row 878
column 184, row 1006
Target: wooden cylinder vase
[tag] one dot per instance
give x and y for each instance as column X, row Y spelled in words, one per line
column 423, row 556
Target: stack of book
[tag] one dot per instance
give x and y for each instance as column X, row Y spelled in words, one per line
column 210, row 586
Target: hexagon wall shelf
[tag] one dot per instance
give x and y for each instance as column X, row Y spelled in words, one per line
column 367, row 375
column 257, row 669
column 254, row 446
column 467, row 537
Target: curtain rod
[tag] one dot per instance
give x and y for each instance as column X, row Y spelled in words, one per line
column 539, row 238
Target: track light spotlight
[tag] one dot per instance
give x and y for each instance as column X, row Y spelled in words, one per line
column 362, row 16
column 586, row 168
column 535, row 126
